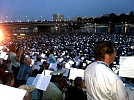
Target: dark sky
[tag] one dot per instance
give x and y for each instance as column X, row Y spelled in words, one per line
column 13, row 10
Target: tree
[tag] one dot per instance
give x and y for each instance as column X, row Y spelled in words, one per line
column 79, row 19
column 112, row 18
column 131, row 13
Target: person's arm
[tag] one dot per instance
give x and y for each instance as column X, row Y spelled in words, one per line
column 119, row 91
column 18, row 57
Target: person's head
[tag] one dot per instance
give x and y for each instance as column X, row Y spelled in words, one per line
column 35, row 72
column 18, row 50
column 38, row 59
column 44, row 64
column 62, row 82
column 4, row 65
column 28, row 60
column 105, row 51
column 52, row 51
column 12, row 48
column 78, row 82
column 8, row 79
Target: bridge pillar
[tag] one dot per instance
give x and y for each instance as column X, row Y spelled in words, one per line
column 44, row 28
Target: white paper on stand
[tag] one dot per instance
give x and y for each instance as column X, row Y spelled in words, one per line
column 126, row 66
column 66, row 72
column 11, row 93
column 74, row 72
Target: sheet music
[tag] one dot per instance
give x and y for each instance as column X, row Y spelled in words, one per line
column 74, row 72
column 126, row 66
column 67, row 65
column 66, row 71
column 3, row 54
column 11, row 93
column 47, row 72
column 60, row 59
column 41, row 82
column 53, row 66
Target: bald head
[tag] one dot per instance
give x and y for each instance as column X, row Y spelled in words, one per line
column 28, row 60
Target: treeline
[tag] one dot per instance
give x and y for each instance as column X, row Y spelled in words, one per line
column 111, row 18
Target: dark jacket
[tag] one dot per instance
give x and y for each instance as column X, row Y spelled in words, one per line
column 74, row 93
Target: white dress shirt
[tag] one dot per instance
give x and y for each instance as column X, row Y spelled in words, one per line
column 102, row 83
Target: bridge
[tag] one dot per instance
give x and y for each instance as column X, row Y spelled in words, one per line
column 35, row 27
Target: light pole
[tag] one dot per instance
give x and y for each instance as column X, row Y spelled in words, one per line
column 6, row 18
column 40, row 18
column 26, row 18
column 52, row 19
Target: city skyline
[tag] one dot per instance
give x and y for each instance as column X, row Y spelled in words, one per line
column 23, row 10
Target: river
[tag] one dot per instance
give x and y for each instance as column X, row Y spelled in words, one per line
column 123, row 29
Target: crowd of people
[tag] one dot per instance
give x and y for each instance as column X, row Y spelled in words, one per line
column 96, row 54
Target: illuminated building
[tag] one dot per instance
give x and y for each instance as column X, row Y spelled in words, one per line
column 58, row 17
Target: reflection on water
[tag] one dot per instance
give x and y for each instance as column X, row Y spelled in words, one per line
column 107, row 30
column 101, row 30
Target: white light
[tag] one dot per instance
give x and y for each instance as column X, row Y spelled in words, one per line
column 22, row 34
column 23, row 28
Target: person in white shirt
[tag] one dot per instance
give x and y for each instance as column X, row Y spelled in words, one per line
column 101, row 82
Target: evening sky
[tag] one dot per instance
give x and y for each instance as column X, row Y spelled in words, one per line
column 13, row 10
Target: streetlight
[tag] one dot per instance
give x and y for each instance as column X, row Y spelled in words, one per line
column 6, row 18
column 40, row 18
column 52, row 18
column 26, row 18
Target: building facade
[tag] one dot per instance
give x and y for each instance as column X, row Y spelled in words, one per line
column 58, row 17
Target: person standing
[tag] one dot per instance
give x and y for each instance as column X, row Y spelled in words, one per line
column 52, row 58
column 24, row 72
column 15, row 59
column 101, row 82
